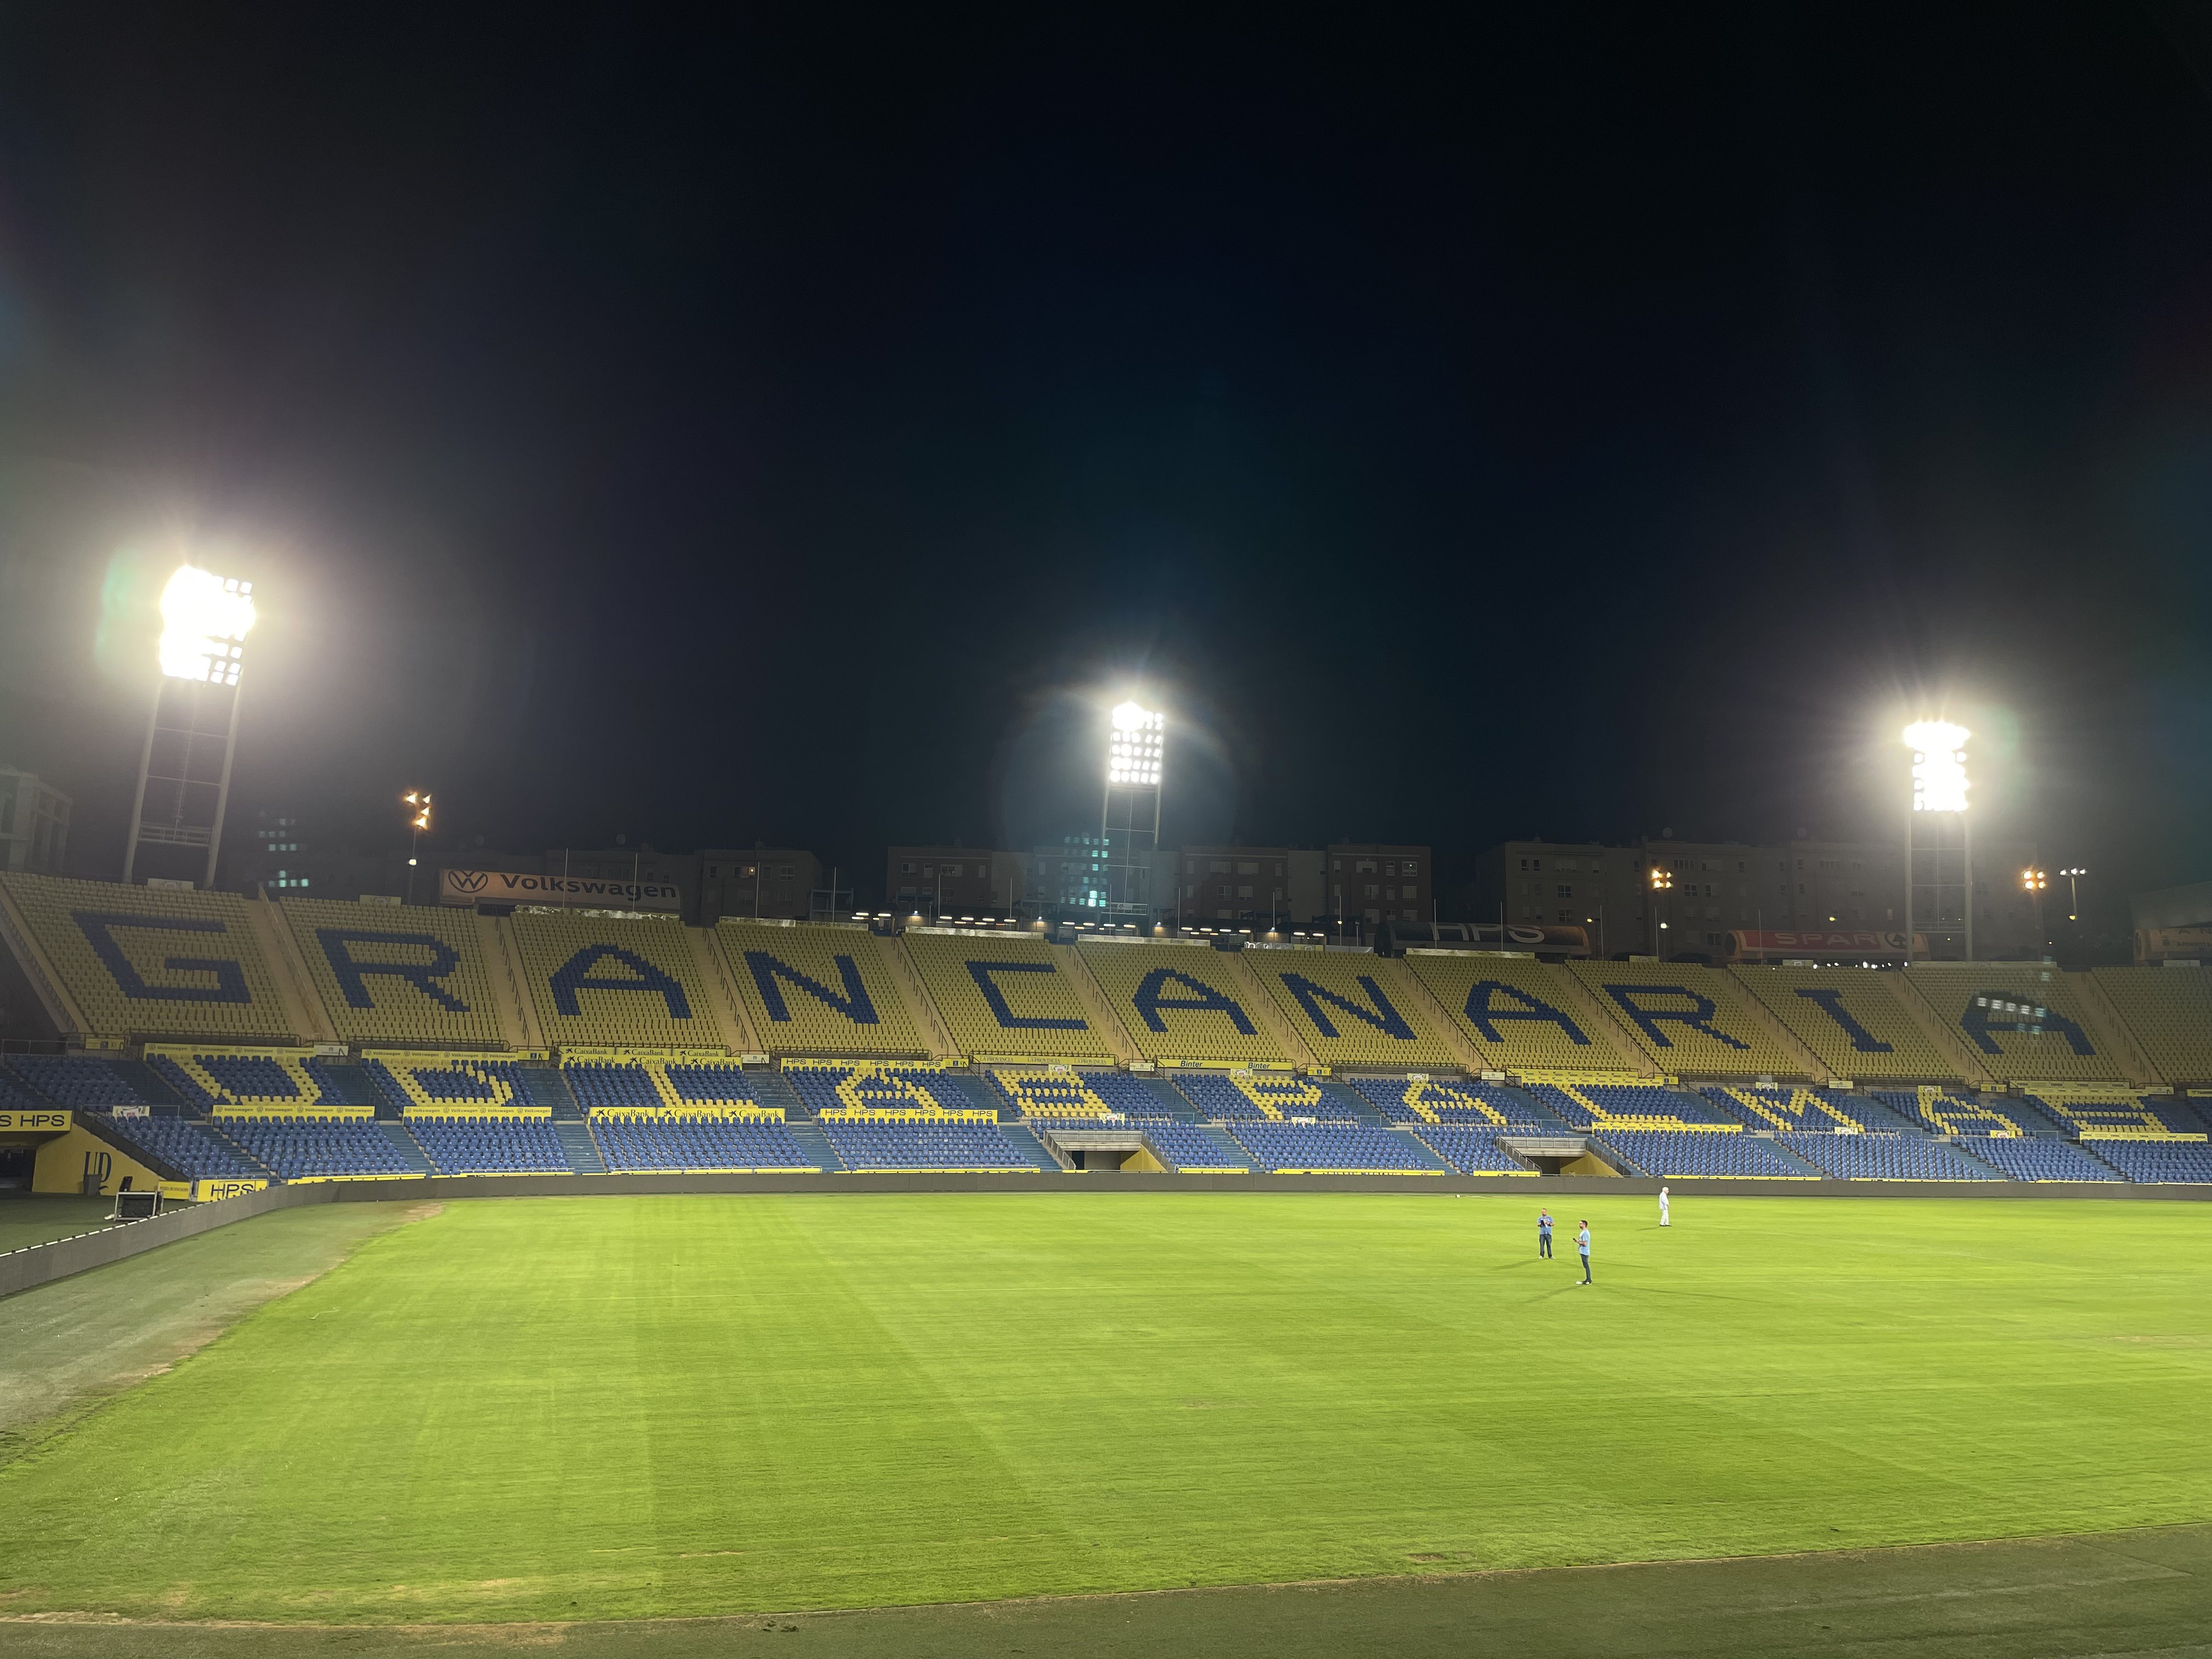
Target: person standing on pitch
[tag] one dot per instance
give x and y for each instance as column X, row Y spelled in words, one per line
column 1663, row 1206
column 1581, row 1243
column 1544, row 1234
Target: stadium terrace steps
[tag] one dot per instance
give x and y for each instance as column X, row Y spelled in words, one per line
column 577, row 1146
column 723, row 1002
column 1350, row 1008
column 602, row 981
column 820, row 990
column 419, row 976
column 815, row 1146
column 1519, row 1014
column 2168, row 1012
column 2111, row 1029
column 1851, row 1024
column 141, row 962
column 408, row 1149
column 1695, row 1020
column 1096, row 1008
column 1290, row 1034
column 1675, row 1154
column 1025, row 1141
column 774, row 1089
column 1005, row 994
column 1191, row 1148
column 1471, row 1151
column 296, row 994
column 2022, row 1020
column 178, row 1149
column 906, row 981
column 1185, row 1001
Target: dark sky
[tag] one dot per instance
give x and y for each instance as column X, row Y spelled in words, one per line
column 714, row 430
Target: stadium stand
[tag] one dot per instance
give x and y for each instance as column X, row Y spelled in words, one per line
column 1342, row 1006
column 1852, row 1019
column 634, row 1142
column 198, row 1150
column 491, row 1146
column 1004, row 993
column 819, row 990
column 16, row 1095
column 1948, row 1112
column 2156, row 1161
column 1451, row 1101
column 948, row 1143
column 882, row 1089
column 318, row 1148
column 2115, row 1114
column 1187, row 1149
column 88, row 1082
column 1612, row 1102
column 1887, row 1157
column 1470, row 1150
column 2042, row 1159
column 2023, row 1021
column 1335, row 1149
column 1690, row 1019
column 691, row 1084
column 1828, row 1111
column 1073, row 1095
column 1669, row 1154
column 152, row 961
column 1258, row 1096
column 1179, row 1001
column 602, row 981
column 1519, row 1013
column 282, row 1082
column 414, row 977
column 453, row 1085
column 2168, row 1011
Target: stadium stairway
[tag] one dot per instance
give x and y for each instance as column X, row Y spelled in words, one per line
column 1174, row 1104
column 405, row 1143
column 775, row 1090
column 1026, row 1143
column 1363, row 1110
column 1231, row 1154
column 544, row 1085
column 576, row 1143
column 812, row 1141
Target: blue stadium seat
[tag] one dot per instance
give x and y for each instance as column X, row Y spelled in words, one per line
column 304, row 1149
column 632, row 1145
column 1333, row 1147
column 2041, row 1159
column 1261, row 1097
column 195, row 1149
column 1471, row 1151
column 1668, row 1153
column 953, row 1144
column 1187, row 1146
column 2156, row 1161
column 1887, row 1157
column 497, row 1145
column 88, row 1082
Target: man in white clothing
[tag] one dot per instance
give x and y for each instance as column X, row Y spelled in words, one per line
column 1663, row 1206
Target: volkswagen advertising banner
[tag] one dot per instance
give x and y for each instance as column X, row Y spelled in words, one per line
column 587, row 892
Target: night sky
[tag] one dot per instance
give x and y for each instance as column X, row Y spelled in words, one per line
column 713, row 432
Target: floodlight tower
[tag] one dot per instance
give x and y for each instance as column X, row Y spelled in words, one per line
column 1940, row 785
column 1130, row 821
column 183, row 774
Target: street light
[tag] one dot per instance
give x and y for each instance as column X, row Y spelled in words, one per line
column 2074, row 892
column 420, row 801
column 1939, row 785
column 204, row 621
column 1662, row 881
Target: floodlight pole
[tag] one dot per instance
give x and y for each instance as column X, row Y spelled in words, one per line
column 222, row 788
column 1908, row 810
column 1966, row 852
column 145, row 765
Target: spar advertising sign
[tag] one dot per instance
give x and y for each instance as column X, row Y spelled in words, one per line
column 585, row 892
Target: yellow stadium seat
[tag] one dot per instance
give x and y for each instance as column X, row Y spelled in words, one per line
column 152, row 961
column 1004, row 995
column 819, row 990
column 230, row 1082
column 1337, row 1003
column 413, row 976
column 603, row 982
column 1179, row 1001
column 2168, row 1011
column 1853, row 1020
column 1689, row 1019
column 1519, row 1013
column 2022, row 1020
column 454, row 1086
column 2114, row 1112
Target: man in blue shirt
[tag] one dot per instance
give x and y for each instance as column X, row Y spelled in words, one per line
column 1544, row 1234
column 1581, row 1243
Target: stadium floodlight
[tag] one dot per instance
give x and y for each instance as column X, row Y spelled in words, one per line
column 204, row 621
column 1940, row 785
column 191, row 735
column 2033, row 881
column 2074, row 891
column 1134, row 751
column 1939, row 765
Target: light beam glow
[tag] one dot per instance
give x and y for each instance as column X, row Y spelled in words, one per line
column 1134, row 749
column 204, row 621
column 1939, row 766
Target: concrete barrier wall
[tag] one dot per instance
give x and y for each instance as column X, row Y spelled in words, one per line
column 41, row 1264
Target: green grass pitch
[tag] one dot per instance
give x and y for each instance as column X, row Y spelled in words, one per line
column 598, row 1408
